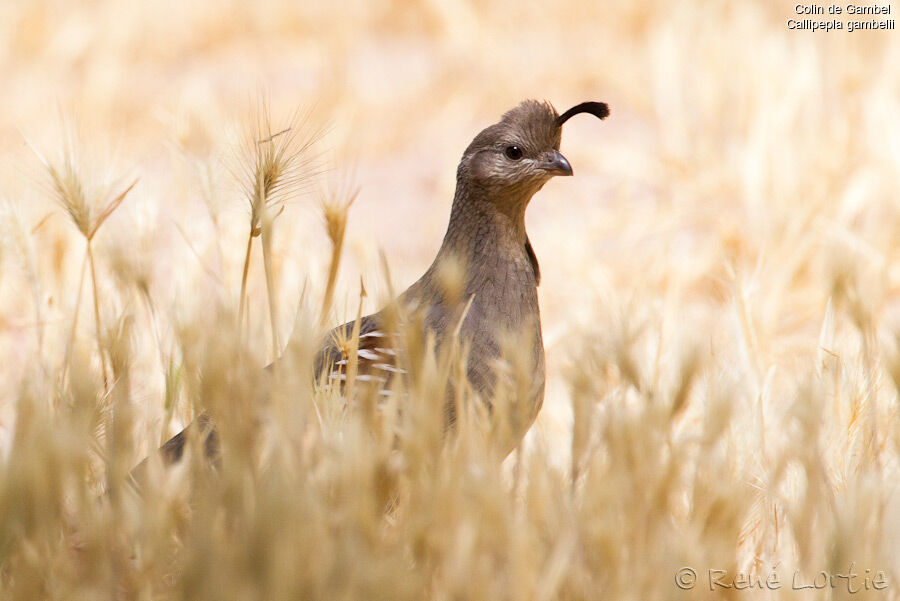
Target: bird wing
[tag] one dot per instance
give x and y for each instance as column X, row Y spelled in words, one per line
column 376, row 355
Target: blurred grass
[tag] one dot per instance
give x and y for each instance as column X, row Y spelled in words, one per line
column 720, row 302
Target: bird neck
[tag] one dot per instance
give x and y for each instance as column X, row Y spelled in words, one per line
column 484, row 225
column 486, row 238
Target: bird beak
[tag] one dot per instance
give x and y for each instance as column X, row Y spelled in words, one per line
column 557, row 164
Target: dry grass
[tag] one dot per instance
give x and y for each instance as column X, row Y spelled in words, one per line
column 720, row 302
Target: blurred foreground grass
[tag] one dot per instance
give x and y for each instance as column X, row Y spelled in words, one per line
column 720, row 303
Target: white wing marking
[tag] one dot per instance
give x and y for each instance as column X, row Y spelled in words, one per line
column 370, row 378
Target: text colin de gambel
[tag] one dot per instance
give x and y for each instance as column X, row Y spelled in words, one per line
column 847, row 17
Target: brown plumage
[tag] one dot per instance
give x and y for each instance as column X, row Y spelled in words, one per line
column 500, row 171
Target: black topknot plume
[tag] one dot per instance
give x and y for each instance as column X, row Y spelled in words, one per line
column 598, row 109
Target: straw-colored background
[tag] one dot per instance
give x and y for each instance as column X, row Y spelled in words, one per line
column 746, row 181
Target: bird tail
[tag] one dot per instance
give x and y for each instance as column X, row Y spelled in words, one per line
column 173, row 450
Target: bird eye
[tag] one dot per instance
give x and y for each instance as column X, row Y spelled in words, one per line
column 513, row 152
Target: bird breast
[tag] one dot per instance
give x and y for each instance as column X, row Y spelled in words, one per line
column 503, row 330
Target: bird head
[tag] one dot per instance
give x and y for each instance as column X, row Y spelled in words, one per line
column 515, row 157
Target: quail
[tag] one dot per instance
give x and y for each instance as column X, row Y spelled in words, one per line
column 500, row 171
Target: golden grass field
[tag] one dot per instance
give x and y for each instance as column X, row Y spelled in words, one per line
column 720, row 302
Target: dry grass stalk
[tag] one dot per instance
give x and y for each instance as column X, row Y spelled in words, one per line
column 335, row 208
column 275, row 165
column 15, row 236
column 88, row 210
